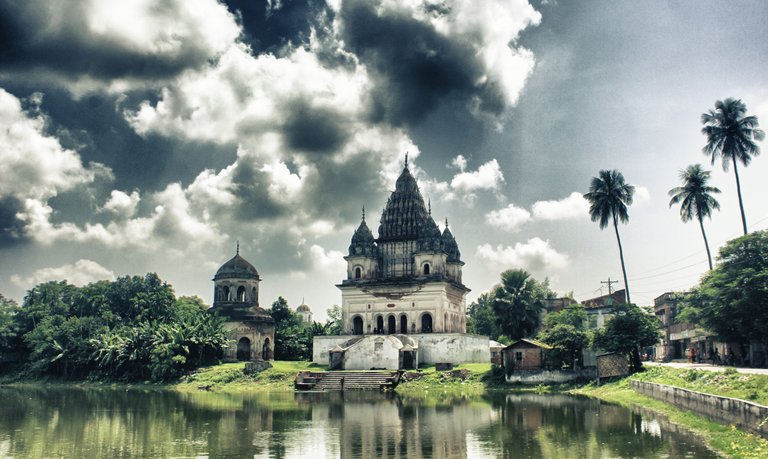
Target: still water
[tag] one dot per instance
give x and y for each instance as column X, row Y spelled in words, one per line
column 119, row 423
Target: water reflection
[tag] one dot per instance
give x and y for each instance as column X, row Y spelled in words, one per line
column 118, row 423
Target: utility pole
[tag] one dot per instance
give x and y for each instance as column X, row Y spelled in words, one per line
column 610, row 290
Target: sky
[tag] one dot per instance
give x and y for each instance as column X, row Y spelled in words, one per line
column 146, row 136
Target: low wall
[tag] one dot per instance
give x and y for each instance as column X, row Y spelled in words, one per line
column 745, row 415
column 549, row 376
column 433, row 347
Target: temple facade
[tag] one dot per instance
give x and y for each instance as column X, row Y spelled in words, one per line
column 402, row 299
column 408, row 280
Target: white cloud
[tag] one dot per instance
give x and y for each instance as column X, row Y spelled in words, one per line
column 172, row 225
column 465, row 185
column 80, row 273
column 572, row 206
column 35, row 165
column 642, row 195
column 327, row 261
column 122, row 204
column 509, row 218
column 535, row 255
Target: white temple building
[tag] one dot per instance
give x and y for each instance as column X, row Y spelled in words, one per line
column 403, row 300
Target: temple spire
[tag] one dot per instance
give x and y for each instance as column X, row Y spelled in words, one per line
column 446, row 222
column 237, row 251
column 406, row 160
column 429, row 203
column 363, row 213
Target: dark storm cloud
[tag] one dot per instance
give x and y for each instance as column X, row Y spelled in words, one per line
column 269, row 30
column 11, row 229
column 251, row 187
column 415, row 66
column 314, row 130
column 339, row 190
column 50, row 39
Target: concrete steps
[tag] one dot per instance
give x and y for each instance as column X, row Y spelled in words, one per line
column 347, row 380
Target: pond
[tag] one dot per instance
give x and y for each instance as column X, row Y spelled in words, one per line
column 42, row 422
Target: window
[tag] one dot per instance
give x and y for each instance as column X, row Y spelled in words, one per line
column 518, row 356
column 426, row 269
column 358, row 272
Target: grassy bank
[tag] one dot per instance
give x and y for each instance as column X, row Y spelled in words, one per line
column 725, row 439
column 229, row 377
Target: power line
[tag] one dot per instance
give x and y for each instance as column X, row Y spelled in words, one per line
column 667, row 272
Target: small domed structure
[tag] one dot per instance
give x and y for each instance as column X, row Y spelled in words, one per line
column 304, row 312
column 236, row 298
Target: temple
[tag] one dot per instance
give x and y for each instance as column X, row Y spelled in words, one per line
column 403, row 300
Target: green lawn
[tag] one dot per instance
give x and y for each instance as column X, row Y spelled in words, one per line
column 229, row 377
column 753, row 388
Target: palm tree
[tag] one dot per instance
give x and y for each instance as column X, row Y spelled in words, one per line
column 695, row 199
column 517, row 303
column 608, row 199
column 731, row 135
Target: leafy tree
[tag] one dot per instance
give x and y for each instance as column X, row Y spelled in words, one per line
column 482, row 319
column 731, row 136
column 732, row 299
column 608, row 198
column 566, row 332
column 695, row 199
column 9, row 329
column 518, row 303
column 292, row 341
column 629, row 330
column 334, row 325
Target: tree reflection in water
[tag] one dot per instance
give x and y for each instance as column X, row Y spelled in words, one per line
column 120, row 423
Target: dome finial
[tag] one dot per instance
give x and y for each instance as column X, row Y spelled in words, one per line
column 237, row 252
column 406, row 160
column 363, row 213
column 446, row 222
column 429, row 203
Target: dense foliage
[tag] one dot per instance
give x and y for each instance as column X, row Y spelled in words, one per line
column 293, row 337
column 518, row 303
column 566, row 331
column 732, row 299
column 133, row 328
column 629, row 330
column 481, row 320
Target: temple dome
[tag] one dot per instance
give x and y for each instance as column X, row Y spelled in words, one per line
column 238, row 267
column 303, row 308
column 363, row 242
column 450, row 246
column 405, row 215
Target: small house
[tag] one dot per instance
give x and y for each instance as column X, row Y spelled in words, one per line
column 524, row 354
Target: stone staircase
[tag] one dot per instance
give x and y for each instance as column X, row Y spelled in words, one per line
column 347, row 380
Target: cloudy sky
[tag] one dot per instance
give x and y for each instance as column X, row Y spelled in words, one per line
column 146, row 136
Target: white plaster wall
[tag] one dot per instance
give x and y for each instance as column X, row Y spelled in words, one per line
column 452, row 348
column 433, row 348
column 374, row 352
column 322, row 344
column 435, row 298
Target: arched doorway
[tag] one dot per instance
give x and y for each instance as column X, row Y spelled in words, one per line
column 391, row 325
column 426, row 323
column 357, row 325
column 358, row 273
column 403, row 324
column 379, row 324
column 244, row 349
column 241, row 294
column 426, row 269
column 265, row 351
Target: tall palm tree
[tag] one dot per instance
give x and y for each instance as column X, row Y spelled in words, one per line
column 608, row 199
column 731, row 136
column 517, row 303
column 695, row 199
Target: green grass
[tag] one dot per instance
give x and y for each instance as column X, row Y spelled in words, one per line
column 725, row 439
column 229, row 377
column 729, row 383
